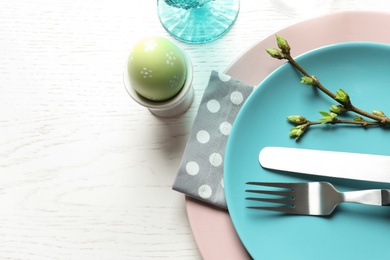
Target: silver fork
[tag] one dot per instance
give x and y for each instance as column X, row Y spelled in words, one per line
column 312, row 198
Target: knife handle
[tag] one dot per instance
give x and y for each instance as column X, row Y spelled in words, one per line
column 385, row 197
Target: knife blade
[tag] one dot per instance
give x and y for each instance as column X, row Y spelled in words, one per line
column 356, row 166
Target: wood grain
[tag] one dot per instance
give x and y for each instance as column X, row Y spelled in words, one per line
column 85, row 172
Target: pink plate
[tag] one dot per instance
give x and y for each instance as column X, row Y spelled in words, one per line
column 212, row 227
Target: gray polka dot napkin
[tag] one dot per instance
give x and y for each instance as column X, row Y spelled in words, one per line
column 201, row 170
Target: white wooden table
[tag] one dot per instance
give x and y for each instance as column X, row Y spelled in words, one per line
column 85, row 172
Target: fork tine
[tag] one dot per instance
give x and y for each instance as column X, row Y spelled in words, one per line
column 273, row 184
column 272, row 192
column 279, row 201
column 285, row 201
column 278, row 209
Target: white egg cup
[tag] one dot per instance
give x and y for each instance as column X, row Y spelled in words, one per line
column 172, row 107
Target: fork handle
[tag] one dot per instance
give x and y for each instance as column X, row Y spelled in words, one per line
column 370, row 197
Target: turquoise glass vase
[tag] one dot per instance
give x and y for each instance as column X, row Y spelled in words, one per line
column 197, row 21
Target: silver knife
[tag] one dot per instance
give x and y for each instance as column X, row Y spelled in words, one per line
column 357, row 166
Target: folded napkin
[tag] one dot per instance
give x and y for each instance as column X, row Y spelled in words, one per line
column 201, row 171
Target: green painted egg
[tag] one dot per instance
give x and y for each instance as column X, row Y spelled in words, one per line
column 157, row 68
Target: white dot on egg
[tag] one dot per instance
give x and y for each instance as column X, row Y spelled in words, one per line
column 205, row 191
column 225, row 128
column 213, row 106
column 215, row 159
column 223, row 77
column 150, row 45
column 192, row 168
column 203, row 136
column 236, row 97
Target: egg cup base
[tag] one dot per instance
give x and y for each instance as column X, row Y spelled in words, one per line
column 178, row 109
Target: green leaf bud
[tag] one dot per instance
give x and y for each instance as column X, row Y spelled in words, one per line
column 283, row 44
column 299, row 120
column 275, row 53
column 327, row 117
column 297, row 131
column 378, row 113
column 309, row 80
column 342, row 96
column 338, row 109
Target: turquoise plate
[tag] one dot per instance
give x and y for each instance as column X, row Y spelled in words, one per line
column 352, row 231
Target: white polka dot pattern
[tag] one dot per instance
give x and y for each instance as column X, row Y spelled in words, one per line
column 224, row 77
column 192, row 168
column 203, row 136
column 215, row 159
column 201, row 170
column 205, row 191
column 225, row 128
column 213, row 106
column 236, row 97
